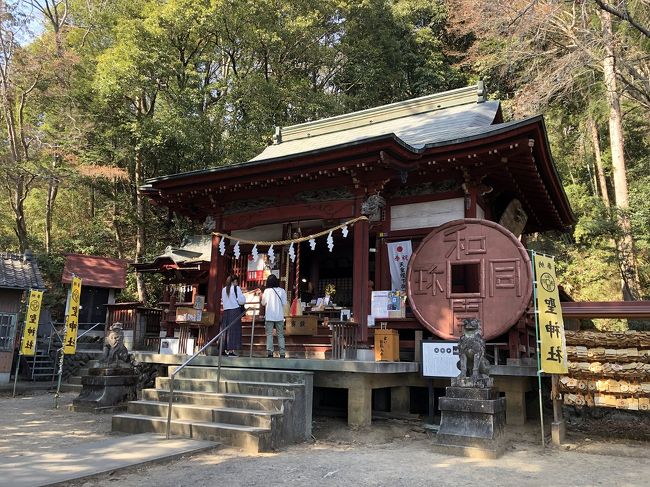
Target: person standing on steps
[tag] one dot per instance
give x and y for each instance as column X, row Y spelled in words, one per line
column 274, row 299
column 232, row 298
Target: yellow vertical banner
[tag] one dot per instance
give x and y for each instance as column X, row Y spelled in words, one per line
column 28, row 343
column 72, row 319
column 549, row 315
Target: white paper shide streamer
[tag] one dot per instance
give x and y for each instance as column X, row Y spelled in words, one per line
column 292, row 253
column 271, row 255
column 330, row 241
column 222, row 246
column 236, row 250
column 254, row 252
column 344, row 231
column 312, row 243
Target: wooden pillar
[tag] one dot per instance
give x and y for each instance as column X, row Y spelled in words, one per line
column 216, row 278
column 360, row 304
column 471, row 201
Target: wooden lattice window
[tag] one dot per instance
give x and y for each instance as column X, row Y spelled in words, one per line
column 7, row 331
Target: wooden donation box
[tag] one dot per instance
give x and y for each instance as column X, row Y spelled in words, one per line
column 386, row 345
column 301, row 325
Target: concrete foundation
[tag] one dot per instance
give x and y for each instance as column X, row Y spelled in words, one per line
column 400, row 400
column 558, row 432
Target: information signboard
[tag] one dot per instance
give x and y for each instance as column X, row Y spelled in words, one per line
column 439, row 358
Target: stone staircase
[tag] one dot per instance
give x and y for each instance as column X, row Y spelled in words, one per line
column 254, row 409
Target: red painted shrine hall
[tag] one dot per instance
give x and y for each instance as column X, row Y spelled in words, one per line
column 445, row 163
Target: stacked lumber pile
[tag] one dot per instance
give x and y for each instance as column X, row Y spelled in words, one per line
column 608, row 369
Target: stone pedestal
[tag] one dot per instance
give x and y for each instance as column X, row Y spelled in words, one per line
column 472, row 422
column 106, row 389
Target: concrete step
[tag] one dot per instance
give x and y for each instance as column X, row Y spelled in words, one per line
column 319, row 353
column 75, row 379
column 42, row 367
column 39, row 359
column 221, row 400
column 250, row 438
column 71, row 388
column 282, row 389
column 244, row 417
column 239, row 373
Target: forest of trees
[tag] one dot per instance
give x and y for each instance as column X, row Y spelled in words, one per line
column 98, row 95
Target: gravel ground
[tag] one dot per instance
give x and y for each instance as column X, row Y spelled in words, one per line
column 391, row 453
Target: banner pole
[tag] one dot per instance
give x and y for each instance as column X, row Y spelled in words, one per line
column 62, row 349
column 58, row 385
column 16, row 372
column 20, row 341
column 538, row 349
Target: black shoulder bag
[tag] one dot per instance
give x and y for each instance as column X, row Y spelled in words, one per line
column 242, row 308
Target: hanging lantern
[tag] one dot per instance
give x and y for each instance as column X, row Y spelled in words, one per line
column 330, row 241
column 292, row 253
column 236, row 250
column 312, row 243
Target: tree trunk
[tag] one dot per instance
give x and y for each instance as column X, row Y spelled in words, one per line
column 118, row 233
column 139, row 215
column 17, row 204
column 52, row 191
column 630, row 278
column 600, row 172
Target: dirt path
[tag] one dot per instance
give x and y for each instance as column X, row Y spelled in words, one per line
column 402, row 462
column 391, row 453
column 30, row 423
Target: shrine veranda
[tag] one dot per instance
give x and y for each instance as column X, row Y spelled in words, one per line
column 408, row 168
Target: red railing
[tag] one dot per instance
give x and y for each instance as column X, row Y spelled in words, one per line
column 143, row 321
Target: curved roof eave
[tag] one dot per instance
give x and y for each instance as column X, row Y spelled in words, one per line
column 471, row 135
column 480, row 133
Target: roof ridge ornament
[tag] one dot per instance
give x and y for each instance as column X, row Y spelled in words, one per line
column 481, row 92
column 277, row 136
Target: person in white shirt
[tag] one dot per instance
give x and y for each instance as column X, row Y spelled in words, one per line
column 232, row 298
column 273, row 299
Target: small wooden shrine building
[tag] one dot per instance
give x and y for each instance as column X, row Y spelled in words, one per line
column 18, row 274
column 409, row 166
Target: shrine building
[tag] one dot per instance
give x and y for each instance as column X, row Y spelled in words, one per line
column 443, row 172
column 421, row 163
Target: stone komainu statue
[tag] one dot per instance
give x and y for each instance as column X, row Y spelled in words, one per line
column 114, row 349
column 471, row 350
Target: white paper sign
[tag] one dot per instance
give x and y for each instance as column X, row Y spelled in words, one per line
column 170, row 346
column 399, row 254
column 440, row 359
column 379, row 304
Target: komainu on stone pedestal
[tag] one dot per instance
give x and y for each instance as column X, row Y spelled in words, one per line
column 473, row 416
column 115, row 352
column 114, row 383
column 474, row 367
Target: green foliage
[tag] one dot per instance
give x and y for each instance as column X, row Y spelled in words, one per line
column 187, row 84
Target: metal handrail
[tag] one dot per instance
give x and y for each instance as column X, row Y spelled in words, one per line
column 90, row 329
column 219, row 337
column 250, row 352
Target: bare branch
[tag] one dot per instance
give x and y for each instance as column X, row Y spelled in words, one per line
column 623, row 15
